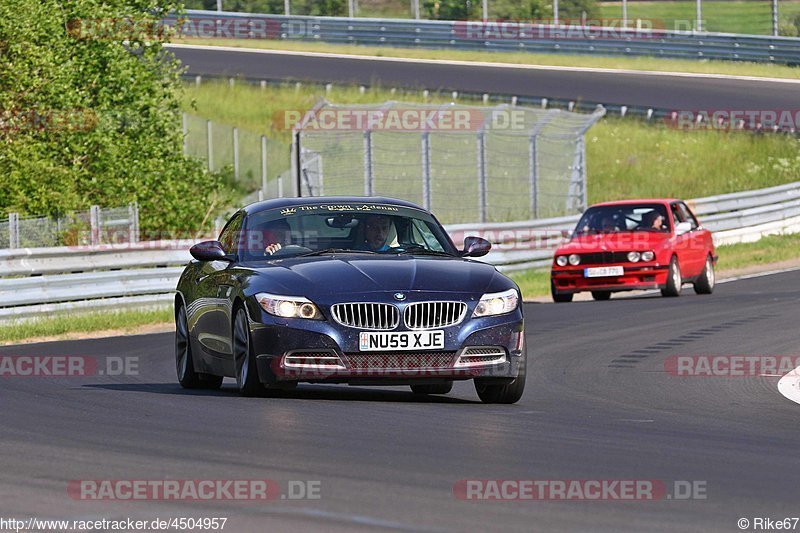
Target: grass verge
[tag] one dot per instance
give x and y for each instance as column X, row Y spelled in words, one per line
column 121, row 322
column 766, row 253
column 522, row 58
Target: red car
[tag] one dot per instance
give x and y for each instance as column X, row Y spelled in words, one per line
column 632, row 245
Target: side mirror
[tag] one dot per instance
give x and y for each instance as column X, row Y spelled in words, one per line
column 208, row 251
column 476, row 247
column 682, row 227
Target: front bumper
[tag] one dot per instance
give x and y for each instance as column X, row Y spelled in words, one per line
column 571, row 279
column 323, row 352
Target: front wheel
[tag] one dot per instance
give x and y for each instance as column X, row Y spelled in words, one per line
column 490, row 392
column 705, row 283
column 674, row 279
column 243, row 358
column 559, row 297
column 184, row 364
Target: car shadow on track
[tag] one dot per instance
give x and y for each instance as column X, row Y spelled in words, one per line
column 302, row 392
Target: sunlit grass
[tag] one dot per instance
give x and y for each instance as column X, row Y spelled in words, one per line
column 126, row 321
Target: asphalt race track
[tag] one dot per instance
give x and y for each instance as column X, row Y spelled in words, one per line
column 598, row 405
column 632, row 89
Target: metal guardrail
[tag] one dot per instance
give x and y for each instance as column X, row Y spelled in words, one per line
column 493, row 36
column 40, row 281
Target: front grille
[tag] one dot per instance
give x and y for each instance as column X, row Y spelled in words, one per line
column 376, row 316
column 429, row 315
column 399, row 361
column 604, row 258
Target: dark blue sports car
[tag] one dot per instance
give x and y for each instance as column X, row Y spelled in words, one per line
column 365, row 291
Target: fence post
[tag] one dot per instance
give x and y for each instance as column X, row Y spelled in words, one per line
column 482, row 176
column 136, row 221
column 236, row 153
column 94, row 224
column 426, row 170
column 368, row 189
column 774, row 18
column 131, row 225
column 415, row 8
column 533, row 167
column 210, row 145
column 264, row 164
column 280, row 186
column 576, row 198
column 286, row 10
column 699, row 15
column 185, row 124
column 13, row 230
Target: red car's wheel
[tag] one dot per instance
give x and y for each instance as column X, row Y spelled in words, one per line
column 705, row 283
column 674, row 279
column 559, row 297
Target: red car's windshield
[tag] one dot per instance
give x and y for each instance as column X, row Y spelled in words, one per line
column 623, row 217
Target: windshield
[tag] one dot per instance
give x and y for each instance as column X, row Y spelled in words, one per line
column 316, row 229
column 623, row 217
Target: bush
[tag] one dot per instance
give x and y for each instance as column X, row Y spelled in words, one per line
column 86, row 119
column 317, row 8
column 508, row 9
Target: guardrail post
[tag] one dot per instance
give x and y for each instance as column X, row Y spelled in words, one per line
column 210, row 145
column 13, row 230
column 131, row 224
column 236, row 153
column 94, row 224
column 482, row 176
column 426, row 170
column 368, row 176
column 264, row 164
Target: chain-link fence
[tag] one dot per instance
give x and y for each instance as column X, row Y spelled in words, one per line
column 81, row 228
column 254, row 160
column 465, row 163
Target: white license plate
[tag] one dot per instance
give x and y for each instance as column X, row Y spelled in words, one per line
column 602, row 272
column 369, row 341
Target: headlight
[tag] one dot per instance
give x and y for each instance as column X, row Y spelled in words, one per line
column 574, row 259
column 634, row 257
column 288, row 306
column 497, row 303
column 648, row 255
column 561, row 260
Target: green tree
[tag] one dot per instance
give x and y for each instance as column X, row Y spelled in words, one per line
column 89, row 113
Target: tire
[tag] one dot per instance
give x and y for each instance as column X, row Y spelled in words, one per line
column 438, row 388
column 559, row 297
column 243, row 358
column 184, row 363
column 674, row 280
column 506, row 393
column 705, row 283
column 601, row 295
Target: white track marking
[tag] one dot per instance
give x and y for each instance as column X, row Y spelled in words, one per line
column 482, row 63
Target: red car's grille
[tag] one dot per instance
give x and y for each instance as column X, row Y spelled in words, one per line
column 398, row 361
column 604, row 258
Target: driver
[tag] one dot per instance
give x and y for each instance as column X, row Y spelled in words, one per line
column 276, row 234
column 377, row 230
column 653, row 220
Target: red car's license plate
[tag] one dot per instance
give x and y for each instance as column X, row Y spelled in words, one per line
column 603, row 272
